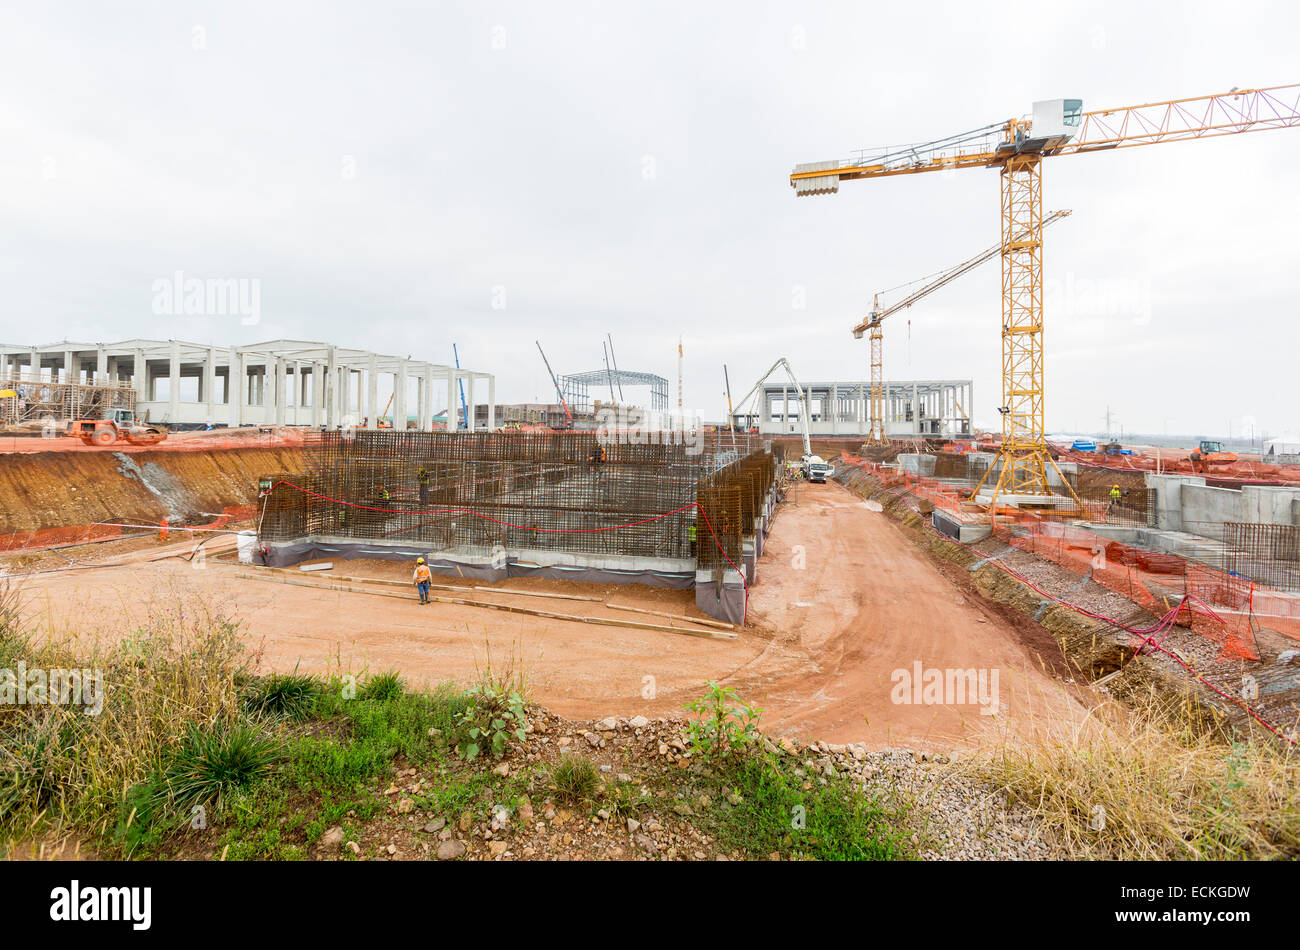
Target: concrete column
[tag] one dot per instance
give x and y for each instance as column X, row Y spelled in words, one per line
column 426, row 413
column 372, row 394
column 235, row 390
column 330, row 382
column 101, row 365
column 173, row 382
column 139, row 376
column 451, row 400
column 469, row 406
column 344, row 380
column 317, row 393
column 281, row 390
column 492, row 403
column 835, row 408
column 421, row 395
column 69, row 367
column 210, row 382
column 399, row 398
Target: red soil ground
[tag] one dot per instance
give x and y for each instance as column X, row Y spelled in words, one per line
column 818, row 656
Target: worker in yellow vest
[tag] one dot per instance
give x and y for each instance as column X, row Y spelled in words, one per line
column 423, row 577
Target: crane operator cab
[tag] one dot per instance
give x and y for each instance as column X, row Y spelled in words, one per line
column 1055, row 122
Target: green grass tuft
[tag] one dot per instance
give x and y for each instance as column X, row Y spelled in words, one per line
column 291, row 696
column 575, row 779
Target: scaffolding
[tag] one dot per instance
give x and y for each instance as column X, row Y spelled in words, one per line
column 47, row 401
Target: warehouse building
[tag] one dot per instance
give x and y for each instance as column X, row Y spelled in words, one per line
column 280, row 382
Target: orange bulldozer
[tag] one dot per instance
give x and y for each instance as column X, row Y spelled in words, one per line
column 1210, row 454
column 118, row 425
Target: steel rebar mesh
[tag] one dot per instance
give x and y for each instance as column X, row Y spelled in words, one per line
column 1267, row 554
column 472, row 492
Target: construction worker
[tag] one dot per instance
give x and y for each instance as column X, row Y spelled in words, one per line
column 423, row 577
column 1115, row 493
column 690, row 535
column 422, row 476
column 381, row 494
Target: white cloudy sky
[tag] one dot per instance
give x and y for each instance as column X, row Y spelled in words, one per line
column 384, row 168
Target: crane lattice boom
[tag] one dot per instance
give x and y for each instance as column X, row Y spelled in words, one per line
column 1016, row 147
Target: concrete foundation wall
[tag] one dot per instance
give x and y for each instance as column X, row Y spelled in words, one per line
column 1267, row 504
column 1186, row 503
column 1204, row 505
column 1169, row 498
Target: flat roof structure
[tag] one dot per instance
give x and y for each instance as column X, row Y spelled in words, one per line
column 913, row 408
column 279, row 382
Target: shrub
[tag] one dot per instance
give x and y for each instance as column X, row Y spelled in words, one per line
column 726, row 723
column 209, row 766
column 383, row 686
column 288, row 695
column 496, row 714
column 575, row 779
column 492, row 722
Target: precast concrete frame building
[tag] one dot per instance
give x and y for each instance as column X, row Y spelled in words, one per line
column 279, row 382
column 913, row 408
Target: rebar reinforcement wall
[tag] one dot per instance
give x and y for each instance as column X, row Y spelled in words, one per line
column 579, row 492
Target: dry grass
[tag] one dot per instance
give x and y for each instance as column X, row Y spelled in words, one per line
column 61, row 766
column 1125, row 785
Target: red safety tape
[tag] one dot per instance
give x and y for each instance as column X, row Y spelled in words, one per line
column 507, row 524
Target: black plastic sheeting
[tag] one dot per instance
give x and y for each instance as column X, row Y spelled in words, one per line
column 295, row 552
column 721, row 603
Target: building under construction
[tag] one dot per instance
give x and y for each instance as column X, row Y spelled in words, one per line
column 587, row 506
column 29, row 400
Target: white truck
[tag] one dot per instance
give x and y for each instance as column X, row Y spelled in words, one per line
column 816, row 468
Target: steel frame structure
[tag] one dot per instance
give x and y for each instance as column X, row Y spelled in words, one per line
column 576, row 387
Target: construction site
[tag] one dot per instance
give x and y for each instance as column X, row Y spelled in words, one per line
column 821, row 551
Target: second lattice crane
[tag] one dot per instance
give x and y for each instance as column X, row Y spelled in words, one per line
column 877, row 434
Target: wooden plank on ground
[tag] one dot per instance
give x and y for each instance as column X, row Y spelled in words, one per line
column 721, row 625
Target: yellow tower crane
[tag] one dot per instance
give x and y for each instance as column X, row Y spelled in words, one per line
column 873, row 321
column 1017, row 147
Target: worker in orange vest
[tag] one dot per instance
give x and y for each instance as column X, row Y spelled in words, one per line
column 423, row 577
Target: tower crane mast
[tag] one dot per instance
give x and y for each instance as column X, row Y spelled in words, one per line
column 1016, row 147
column 873, row 321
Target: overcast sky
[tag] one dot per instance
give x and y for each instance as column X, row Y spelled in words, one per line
column 402, row 176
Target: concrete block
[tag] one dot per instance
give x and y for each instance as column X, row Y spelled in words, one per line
column 967, row 532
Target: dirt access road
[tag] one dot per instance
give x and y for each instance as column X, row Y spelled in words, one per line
column 827, row 633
